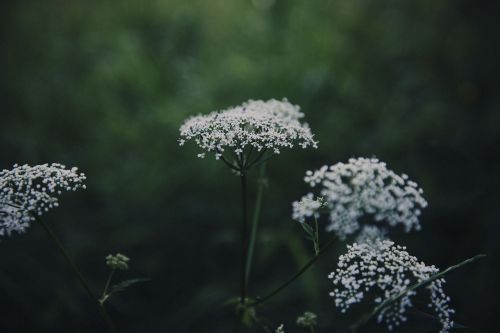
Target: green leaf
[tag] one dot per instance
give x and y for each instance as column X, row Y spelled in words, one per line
column 307, row 228
column 125, row 284
column 248, row 316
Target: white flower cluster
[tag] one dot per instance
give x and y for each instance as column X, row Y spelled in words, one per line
column 360, row 187
column 371, row 234
column 270, row 125
column 308, row 206
column 383, row 270
column 26, row 191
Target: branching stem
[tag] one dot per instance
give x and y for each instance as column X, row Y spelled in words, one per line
column 260, row 300
column 76, row 270
column 255, row 222
column 244, row 237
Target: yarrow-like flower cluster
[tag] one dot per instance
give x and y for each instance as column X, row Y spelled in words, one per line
column 27, row 191
column 362, row 187
column 262, row 125
column 383, row 270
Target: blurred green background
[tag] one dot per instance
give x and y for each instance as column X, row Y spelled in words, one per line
column 105, row 85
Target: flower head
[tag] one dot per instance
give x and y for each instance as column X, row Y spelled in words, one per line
column 364, row 187
column 308, row 319
column 26, row 192
column 117, row 261
column 371, row 234
column 381, row 270
column 308, row 206
column 260, row 125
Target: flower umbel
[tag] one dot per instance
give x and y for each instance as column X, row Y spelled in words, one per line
column 364, row 187
column 117, row 261
column 383, row 270
column 370, row 234
column 308, row 319
column 26, row 192
column 308, row 206
column 259, row 125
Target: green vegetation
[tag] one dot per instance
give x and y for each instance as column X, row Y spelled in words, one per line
column 105, row 85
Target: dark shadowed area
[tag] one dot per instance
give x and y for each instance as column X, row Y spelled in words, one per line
column 105, row 85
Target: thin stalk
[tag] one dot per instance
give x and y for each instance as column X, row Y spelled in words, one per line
column 316, row 236
column 311, row 261
column 257, row 163
column 229, row 164
column 388, row 302
column 105, row 291
column 249, row 155
column 244, row 236
column 76, row 270
column 257, row 158
column 255, row 222
column 108, row 281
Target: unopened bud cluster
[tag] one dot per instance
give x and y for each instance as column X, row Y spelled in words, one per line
column 308, row 319
column 117, row 261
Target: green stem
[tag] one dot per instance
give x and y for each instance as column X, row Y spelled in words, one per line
column 257, row 159
column 105, row 291
column 316, row 236
column 255, row 222
column 244, row 237
column 388, row 302
column 76, row 270
column 311, row 261
column 259, row 162
column 230, row 165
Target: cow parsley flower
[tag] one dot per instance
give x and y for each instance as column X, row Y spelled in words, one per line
column 371, row 234
column 27, row 191
column 364, row 187
column 380, row 271
column 308, row 206
column 254, row 125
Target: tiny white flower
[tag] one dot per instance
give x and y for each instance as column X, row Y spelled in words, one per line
column 26, row 191
column 383, row 270
column 371, row 233
column 363, row 187
column 307, row 206
column 259, row 125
